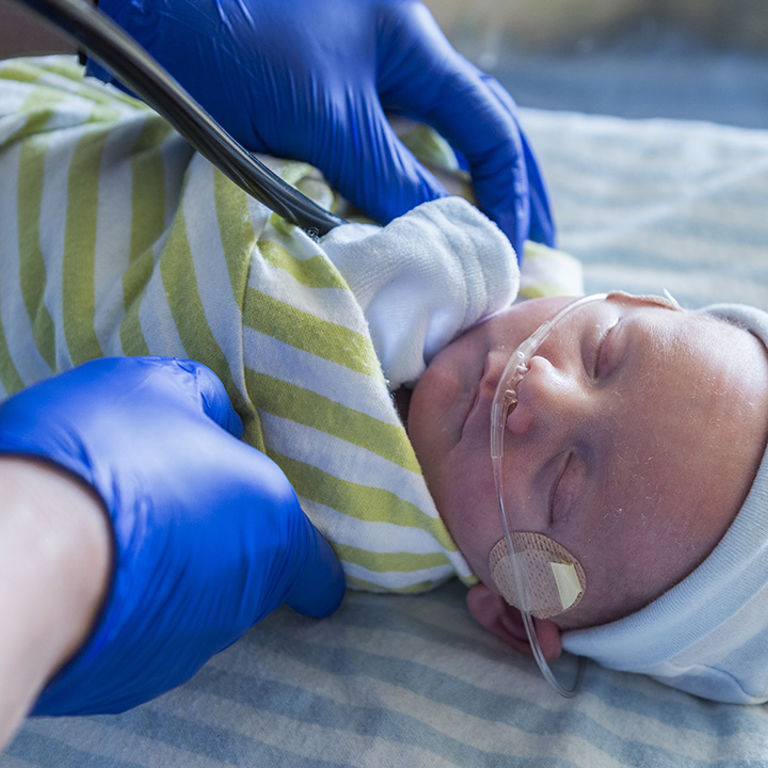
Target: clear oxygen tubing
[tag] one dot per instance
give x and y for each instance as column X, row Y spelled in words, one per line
column 504, row 397
column 137, row 70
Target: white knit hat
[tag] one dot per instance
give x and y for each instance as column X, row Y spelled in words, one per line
column 708, row 635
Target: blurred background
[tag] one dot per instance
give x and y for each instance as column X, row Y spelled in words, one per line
column 690, row 59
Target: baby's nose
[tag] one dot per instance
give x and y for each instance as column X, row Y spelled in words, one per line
column 548, row 399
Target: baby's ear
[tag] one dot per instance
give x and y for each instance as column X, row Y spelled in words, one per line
column 504, row 621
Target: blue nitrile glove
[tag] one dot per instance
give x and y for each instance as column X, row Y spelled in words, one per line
column 208, row 533
column 312, row 79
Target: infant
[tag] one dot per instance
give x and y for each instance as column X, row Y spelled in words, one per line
column 637, row 442
column 638, row 431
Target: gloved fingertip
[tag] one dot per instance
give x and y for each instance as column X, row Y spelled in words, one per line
column 214, row 398
column 319, row 587
column 461, row 160
column 542, row 225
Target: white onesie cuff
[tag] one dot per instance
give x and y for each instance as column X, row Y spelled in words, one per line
column 424, row 278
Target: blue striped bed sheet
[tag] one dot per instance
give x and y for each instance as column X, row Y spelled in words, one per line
column 413, row 681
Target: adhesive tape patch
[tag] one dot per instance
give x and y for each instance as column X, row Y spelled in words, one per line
column 556, row 580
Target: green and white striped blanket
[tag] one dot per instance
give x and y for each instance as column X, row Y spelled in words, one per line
column 401, row 680
column 118, row 239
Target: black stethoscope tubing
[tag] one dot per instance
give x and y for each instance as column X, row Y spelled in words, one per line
column 137, row 70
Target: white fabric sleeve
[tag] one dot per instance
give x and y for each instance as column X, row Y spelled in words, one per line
column 423, row 279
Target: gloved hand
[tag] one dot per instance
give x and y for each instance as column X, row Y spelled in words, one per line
column 208, row 533
column 312, row 79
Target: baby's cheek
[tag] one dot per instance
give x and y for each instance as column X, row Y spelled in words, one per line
column 472, row 517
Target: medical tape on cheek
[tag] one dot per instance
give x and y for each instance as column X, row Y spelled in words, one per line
column 556, row 580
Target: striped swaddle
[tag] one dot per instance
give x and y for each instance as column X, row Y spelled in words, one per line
column 118, row 240
column 400, row 680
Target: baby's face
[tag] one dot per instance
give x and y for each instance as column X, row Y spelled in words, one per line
column 636, row 435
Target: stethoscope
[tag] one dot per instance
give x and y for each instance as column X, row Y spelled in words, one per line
column 137, row 70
